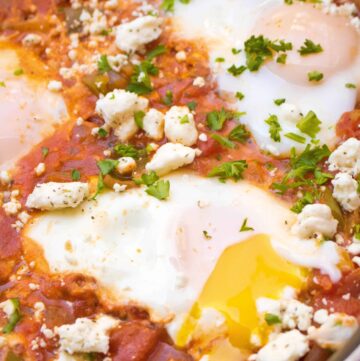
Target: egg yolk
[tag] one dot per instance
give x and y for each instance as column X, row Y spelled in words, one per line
column 245, row 272
column 301, row 21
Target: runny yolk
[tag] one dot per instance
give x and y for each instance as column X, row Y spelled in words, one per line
column 245, row 272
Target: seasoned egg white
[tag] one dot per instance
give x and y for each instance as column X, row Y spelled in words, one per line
column 28, row 109
column 161, row 254
column 224, row 25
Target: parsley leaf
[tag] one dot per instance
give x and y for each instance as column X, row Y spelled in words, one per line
column 14, row 318
column 169, row 98
column 236, row 70
column 223, row 141
column 103, row 64
column 215, row 120
column 350, row 85
column 106, row 166
column 159, row 190
column 310, row 124
column 309, row 47
column 315, row 76
column 239, row 134
column 279, row 101
column 147, row 179
column 228, row 170
column 296, row 137
column 272, row 319
column 126, row 150
column 44, row 151
column 274, row 127
column 140, row 80
column 139, row 119
column 308, row 198
column 192, row 105
column 159, row 50
column 75, row 175
column 245, row 227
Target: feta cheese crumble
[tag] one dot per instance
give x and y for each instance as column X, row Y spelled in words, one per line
column 346, row 191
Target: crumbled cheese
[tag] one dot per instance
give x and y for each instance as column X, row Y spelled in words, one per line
column 126, row 165
column 40, row 169
column 86, row 335
column 117, row 62
column 180, row 126
column 346, row 158
column 180, row 56
column 126, row 130
column 169, row 157
column 119, row 106
column 5, row 178
column 292, row 313
column 289, row 113
column 153, row 124
column 47, row 332
column 95, row 24
column 199, row 82
column 354, row 248
column 321, row 316
column 34, row 286
column 203, row 137
column 315, row 218
column 7, row 307
column 132, row 36
column 12, row 207
column 296, row 314
column 31, row 40
column 24, row 217
column 118, row 188
column 346, row 191
column 55, row 85
column 288, row 346
column 52, row 195
column 39, row 308
column 356, row 260
column 335, row 331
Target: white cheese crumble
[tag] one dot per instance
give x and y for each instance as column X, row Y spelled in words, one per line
column 199, row 82
column 118, row 188
column 180, row 126
column 118, row 108
column 132, row 36
column 40, row 169
column 153, row 124
column 117, row 62
column 31, row 40
column 180, row 56
column 52, row 195
column 5, row 178
column 288, row 346
column 335, row 331
column 126, row 165
column 321, row 316
column 86, row 335
column 290, row 113
column 7, row 307
column 313, row 219
column 346, row 191
column 169, row 157
column 55, row 85
column 346, row 158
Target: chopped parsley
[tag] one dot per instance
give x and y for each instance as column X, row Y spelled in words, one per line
column 244, row 227
column 14, row 318
column 309, row 124
column 272, row 319
column 18, row 72
column 44, row 151
column 223, row 141
column 308, row 198
column 140, row 82
column 184, row 119
column 159, row 190
column 126, row 150
column 102, row 133
column 315, row 76
column 229, row 170
column 236, row 70
column 106, row 166
column 168, row 99
column 220, row 60
column 279, row 101
column 157, row 51
column 235, row 51
column 192, row 105
column 281, row 59
column 139, row 119
column 309, row 47
column 75, row 175
column 2, row 84
column 103, row 64
column 239, row 96
column 356, row 231
column 258, row 49
column 239, row 134
column 207, row 235
column 215, row 120
column 296, row 137
column 147, row 179
column 274, row 127
column 350, row 86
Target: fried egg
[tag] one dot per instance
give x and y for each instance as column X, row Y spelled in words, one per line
column 28, row 111
column 224, row 25
column 211, row 245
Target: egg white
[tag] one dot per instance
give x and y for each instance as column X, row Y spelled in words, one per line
column 28, row 110
column 226, row 24
column 156, row 254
